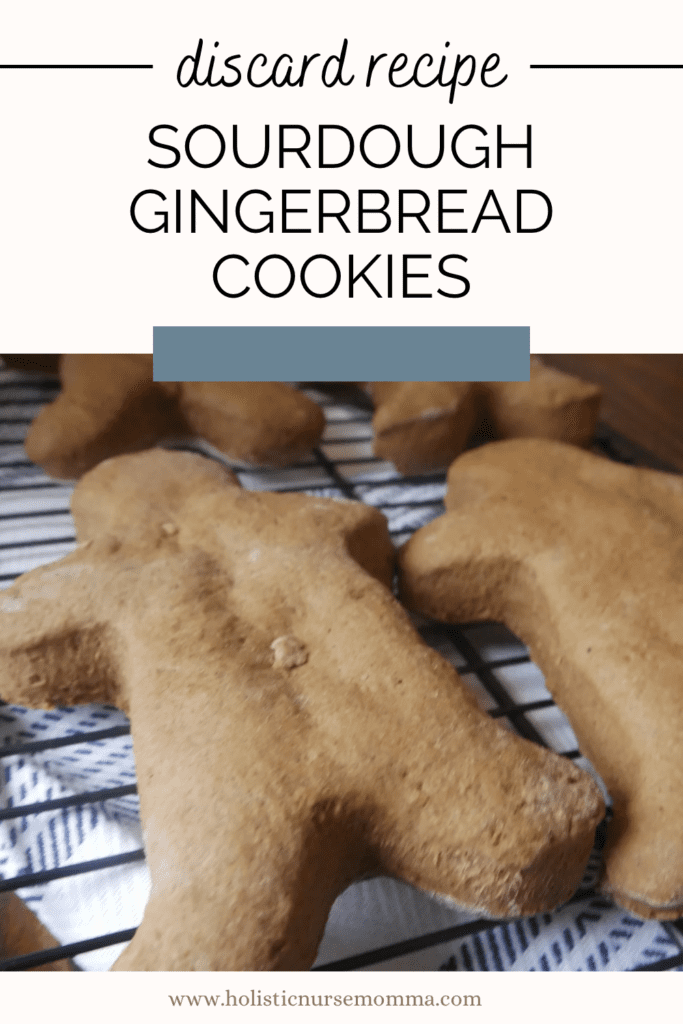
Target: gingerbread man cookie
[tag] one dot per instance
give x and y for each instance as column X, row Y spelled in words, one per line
column 423, row 425
column 583, row 559
column 110, row 405
column 292, row 732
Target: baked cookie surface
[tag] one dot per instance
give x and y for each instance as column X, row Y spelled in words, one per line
column 110, row 405
column 423, row 425
column 285, row 715
column 583, row 559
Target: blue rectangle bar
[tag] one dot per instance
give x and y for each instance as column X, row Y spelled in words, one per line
column 341, row 353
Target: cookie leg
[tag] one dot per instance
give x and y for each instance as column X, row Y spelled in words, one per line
column 21, row 933
column 53, row 648
column 258, row 422
column 254, row 893
column 422, row 425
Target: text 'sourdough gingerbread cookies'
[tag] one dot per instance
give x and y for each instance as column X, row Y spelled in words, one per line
column 423, row 425
column 110, row 405
column 292, row 732
column 583, row 559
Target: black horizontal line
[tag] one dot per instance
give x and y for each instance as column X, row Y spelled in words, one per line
column 662, row 965
column 53, row 67
column 436, row 503
column 43, row 542
column 355, row 459
column 414, row 945
column 36, row 746
column 427, row 940
column 534, row 705
column 10, row 380
column 607, row 67
column 362, row 418
column 346, row 440
column 266, row 469
column 95, row 797
column 40, row 877
column 48, row 956
column 36, row 514
column 19, row 401
column 28, row 484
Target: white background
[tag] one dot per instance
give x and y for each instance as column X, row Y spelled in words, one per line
column 76, row 274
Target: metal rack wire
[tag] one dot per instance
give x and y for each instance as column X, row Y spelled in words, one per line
column 69, row 772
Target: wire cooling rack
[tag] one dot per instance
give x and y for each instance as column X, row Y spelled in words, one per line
column 70, row 839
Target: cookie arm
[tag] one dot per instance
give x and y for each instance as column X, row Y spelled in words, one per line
column 451, row 568
column 54, row 646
